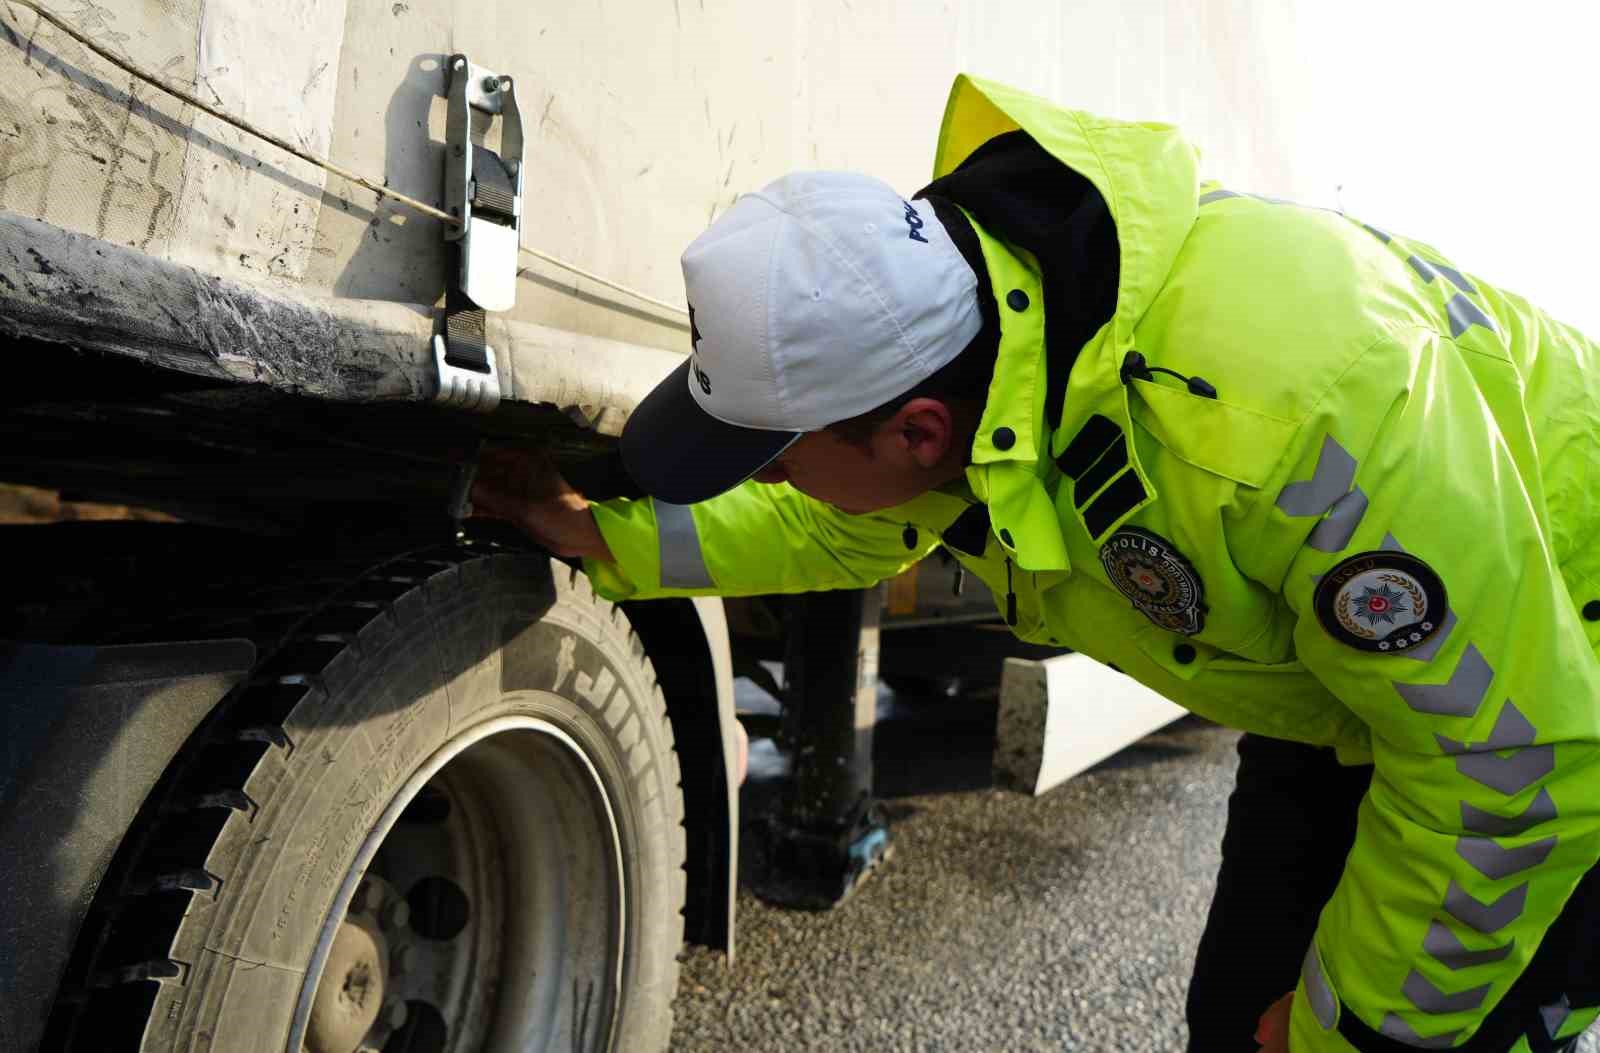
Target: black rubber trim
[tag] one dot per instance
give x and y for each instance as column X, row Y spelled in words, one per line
column 1121, row 497
column 970, row 532
column 1110, row 463
column 1097, row 433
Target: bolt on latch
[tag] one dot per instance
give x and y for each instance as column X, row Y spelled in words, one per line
column 484, row 190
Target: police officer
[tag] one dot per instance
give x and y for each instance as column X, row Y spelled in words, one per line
column 1298, row 474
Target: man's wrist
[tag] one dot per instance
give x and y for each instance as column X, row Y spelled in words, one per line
column 566, row 525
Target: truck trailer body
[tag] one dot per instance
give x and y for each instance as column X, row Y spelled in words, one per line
column 288, row 770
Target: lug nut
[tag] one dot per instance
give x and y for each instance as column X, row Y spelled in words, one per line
column 403, row 960
column 396, row 915
column 394, row 1014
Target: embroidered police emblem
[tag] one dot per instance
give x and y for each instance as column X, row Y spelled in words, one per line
column 1384, row 602
column 1161, row 583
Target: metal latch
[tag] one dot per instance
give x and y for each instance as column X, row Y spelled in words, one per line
column 484, row 189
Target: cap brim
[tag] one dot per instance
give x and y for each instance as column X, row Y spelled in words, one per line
column 679, row 453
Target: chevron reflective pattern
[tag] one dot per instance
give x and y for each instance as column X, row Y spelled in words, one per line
column 1460, row 696
column 1428, row 998
column 1329, row 481
column 1333, row 534
column 1511, row 730
column 1429, row 270
column 1509, row 775
column 1446, row 948
column 1553, row 1016
column 1485, row 917
column 1464, row 314
column 1461, row 312
column 1542, row 810
column 1495, row 862
column 1400, row 1031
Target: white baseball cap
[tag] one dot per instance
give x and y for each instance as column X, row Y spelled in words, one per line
column 821, row 297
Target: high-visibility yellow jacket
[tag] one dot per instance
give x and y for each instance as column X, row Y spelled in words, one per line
column 1380, row 535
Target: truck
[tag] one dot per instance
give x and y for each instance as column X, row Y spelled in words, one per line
column 301, row 757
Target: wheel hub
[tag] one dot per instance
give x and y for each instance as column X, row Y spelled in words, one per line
column 463, row 929
column 355, row 1009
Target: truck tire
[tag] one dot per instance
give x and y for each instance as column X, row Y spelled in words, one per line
column 444, row 814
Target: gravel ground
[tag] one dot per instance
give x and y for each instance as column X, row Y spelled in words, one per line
column 1066, row 922
column 1002, row 923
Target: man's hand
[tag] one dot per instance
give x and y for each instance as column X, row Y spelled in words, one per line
column 1272, row 1030
column 525, row 489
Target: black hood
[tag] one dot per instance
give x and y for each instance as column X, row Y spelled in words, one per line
column 1018, row 192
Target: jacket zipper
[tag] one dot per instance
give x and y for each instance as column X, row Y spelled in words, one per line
column 1011, row 598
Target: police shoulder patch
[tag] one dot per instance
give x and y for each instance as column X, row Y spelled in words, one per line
column 1147, row 569
column 1383, row 602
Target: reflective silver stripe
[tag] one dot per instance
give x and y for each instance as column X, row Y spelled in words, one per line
column 1323, row 1004
column 1435, row 1002
column 1382, row 236
column 1216, row 195
column 1460, row 696
column 1420, row 265
column 1401, row 1031
column 1446, row 948
column 1427, row 649
column 682, row 566
column 1510, row 775
column 1429, row 270
column 1554, row 1016
column 1392, row 544
column 1542, row 810
column 1485, row 917
column 1493, row 861
column 1331, row 480
column 1511, row 731
column 1464, row 314
column 1457, row 279
column 1333, row 534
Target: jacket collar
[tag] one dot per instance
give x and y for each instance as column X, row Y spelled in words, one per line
column 1146, row 174
column 1010, row 451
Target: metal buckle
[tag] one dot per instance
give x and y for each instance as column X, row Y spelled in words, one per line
column 466, row 389
column 484, row 189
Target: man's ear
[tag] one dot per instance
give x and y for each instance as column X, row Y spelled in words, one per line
column 924, row 429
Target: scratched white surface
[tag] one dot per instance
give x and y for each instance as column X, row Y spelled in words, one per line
column 81, row 145
column 644, row 119
column 276, row 65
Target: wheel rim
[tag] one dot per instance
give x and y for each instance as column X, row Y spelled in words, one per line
column 491, row 893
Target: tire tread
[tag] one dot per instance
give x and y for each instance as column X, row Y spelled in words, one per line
column 313, row 635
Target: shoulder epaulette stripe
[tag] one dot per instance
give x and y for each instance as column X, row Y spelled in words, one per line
column 1092, row 440
column 1110, row 463
column 1122, row 496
